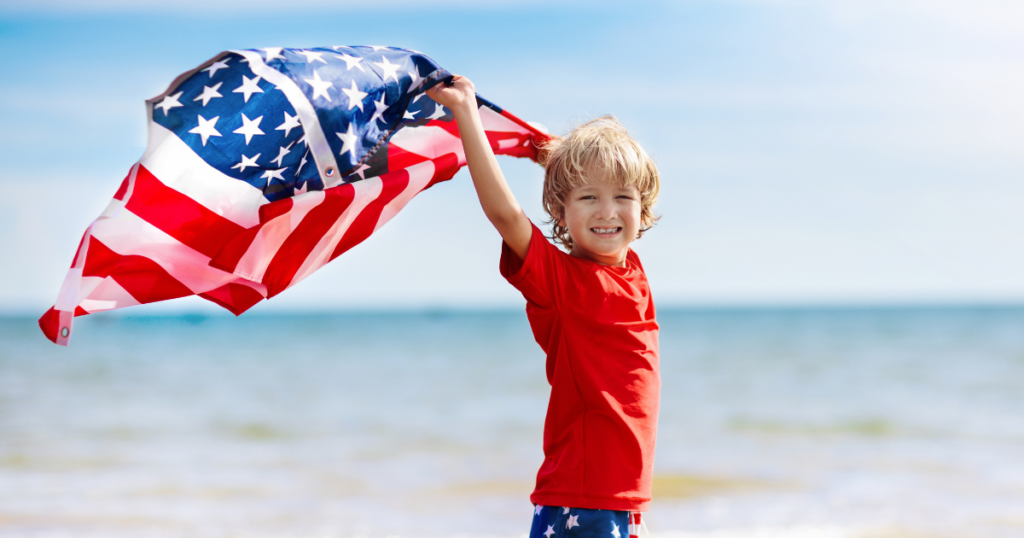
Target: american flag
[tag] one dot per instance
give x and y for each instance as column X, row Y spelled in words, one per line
column 262, row 166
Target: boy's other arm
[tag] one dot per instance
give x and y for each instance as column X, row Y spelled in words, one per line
column 496, row 198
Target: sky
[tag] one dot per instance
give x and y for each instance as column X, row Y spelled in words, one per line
column 811, row 153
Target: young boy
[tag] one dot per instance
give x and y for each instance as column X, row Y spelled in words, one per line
column 590, row 310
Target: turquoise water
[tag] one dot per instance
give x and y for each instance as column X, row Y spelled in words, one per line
column 788, row 423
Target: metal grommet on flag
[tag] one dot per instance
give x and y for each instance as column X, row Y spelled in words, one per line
column 64, row 332
column 330, row 171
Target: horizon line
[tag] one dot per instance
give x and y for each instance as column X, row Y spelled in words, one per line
column 499, row 309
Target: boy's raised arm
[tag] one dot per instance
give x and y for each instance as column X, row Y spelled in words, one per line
column 496, row 198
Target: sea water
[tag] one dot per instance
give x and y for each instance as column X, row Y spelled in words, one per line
column 774, row 423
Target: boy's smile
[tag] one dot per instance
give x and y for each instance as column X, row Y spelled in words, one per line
column 603, row 218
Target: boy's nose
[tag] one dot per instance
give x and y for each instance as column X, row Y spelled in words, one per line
column 606, row 210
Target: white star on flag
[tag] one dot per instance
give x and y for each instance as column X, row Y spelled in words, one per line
column 438, row 112
column 348, row 139
column 274, row 52
column 351, row 61
column 209, row 92
column 301, row 163
column 410, row 114
column 415, row 78
column 390, row 69
column 320, row 87
column 270, row 175
column 249, row 128
column 303, row 190
column 566, row 508
column 169, row 102
column 312, row 56
column 290, row 122
column 216, row 66
column 361, row 171
column 573, row 522
column 206, row 128
column 550, row 531
column 537, row 509
column 249, row 87
column 279, row 160
column 615, row 530
column 246, row 162
column 381, row 107
column 377, row 48
column 355, row 97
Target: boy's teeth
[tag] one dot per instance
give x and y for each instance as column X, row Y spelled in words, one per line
column 605, row 230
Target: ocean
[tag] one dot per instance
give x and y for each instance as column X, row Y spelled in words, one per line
column 801, row 423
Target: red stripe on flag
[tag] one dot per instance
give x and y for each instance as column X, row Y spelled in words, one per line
column 227, row 259
column 445, row 168
column 79, row 311
column 79, row 252
column 304, row 238
column 179, row 216
column 537, row 139
column 392, row 184
column 518, row 150
column 450, row 126
column 399, row 158
column 119, row 195
column 496, row 136
column 269, row 212
column 50, row 324
column 235, row 297
column 141, row 277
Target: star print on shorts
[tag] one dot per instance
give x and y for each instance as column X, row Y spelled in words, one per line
column 565, row 522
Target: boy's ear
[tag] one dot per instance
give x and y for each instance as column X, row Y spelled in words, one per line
column 561, row 222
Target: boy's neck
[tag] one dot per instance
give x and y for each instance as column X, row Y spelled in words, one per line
column 618, row 260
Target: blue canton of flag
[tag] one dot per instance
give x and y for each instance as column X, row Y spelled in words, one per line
column 244, row 125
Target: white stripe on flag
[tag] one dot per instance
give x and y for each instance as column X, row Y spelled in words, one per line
column 178, row 167
column 72, row 291
column 272, row 235
column 365, row 191
column 127, row 234
column 430, row 142
column 494, row 121
column 419, row 176
column 115, row 205
column 106, row 295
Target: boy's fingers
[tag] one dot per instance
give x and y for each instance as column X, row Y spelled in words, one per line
column 451, row 92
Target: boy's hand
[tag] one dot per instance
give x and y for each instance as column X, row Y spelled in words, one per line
column 496, row 198
column 456, row 96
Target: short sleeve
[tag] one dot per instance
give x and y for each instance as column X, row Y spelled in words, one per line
column 539, row 276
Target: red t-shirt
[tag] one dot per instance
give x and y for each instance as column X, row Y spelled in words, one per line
column 596, row 324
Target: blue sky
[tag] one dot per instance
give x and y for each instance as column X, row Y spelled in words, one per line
column 811, row 152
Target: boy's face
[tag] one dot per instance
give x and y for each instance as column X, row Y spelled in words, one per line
column 603, row 219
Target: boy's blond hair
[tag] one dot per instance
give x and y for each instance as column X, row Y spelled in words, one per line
column 601, row 143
